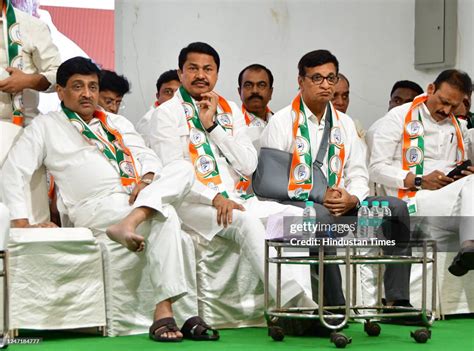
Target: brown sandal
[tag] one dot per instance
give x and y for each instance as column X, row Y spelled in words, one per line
column 196, row 329
column 164, row 325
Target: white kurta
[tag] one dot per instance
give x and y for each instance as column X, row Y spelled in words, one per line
column 90, row 188
column 4, row 226
column 278, row 135
column 234, row 153
column 385, row 143
column 39, row 54
column 143, row 125
column 256, row 128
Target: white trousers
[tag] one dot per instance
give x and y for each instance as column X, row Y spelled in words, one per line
column 248, row 231
column 456, row 200
column 4, row 226
column 162, row 233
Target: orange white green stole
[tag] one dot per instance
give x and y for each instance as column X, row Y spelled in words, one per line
column 413, row 147
column 254, row 121
column 202, row 156
column 300, row 181
column 12, row 38
column 112, row 147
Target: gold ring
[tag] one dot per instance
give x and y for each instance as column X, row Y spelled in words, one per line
column 440, row 177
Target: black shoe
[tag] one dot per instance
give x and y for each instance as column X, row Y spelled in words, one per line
column 403, row 304
column 463, row 262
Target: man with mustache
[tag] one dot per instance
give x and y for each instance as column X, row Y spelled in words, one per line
column 255, row 90
column 415, row 145
column 209, row 132
column 304, row 128
column 113, row 87
column 110, row 182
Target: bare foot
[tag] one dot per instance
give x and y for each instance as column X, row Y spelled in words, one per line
column 125, row 235
column 164, row 310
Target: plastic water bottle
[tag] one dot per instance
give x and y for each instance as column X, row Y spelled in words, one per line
column 309, row 219
column 377, row 219
column 363, row 221
column 386, row 214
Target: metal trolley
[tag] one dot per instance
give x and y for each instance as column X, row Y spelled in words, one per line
column 6, row 313
column 350, row 259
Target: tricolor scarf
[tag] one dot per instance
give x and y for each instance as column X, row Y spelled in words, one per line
column 202, row 156
column 254, row 121
column 301, row 172
column 112, row 147
column 413, row 147
column 12, row 38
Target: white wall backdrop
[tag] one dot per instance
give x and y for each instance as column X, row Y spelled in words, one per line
column 372, row 39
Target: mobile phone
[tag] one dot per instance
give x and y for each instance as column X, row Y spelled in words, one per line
column 457, row 171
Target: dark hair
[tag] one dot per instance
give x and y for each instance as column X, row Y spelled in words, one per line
column 111, row 81
column 407, row 84
column 341, row 76
column 166, row 77
column 256, row 67
column 76, row 65
column 316, row 58
column 201, row 48
column 456, row 78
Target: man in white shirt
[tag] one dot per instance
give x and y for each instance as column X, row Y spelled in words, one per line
column 415, row 145
column 112, row 89
column 30, row 66
column 298, row 129
column 340, row 99
column 108, row 181
column 166, row 86
column 209, row 132
column 255, row 90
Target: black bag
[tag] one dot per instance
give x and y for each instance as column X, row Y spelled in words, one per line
column 270, row 180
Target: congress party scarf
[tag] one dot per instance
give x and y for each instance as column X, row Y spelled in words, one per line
column 202, row 156
column 413, row 148
column 12, row 38
column 301, row 171
column 254, row 121
column 112, row 147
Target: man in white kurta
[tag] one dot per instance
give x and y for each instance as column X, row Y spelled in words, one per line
column 4, row 226
column 96, row 191
column 255, row 91
column 41, row 60
column 217, row 208
column 443, row 142
column 347, row 166
column 166, row 86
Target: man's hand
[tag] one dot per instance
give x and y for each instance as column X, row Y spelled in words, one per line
column 18, row 81
column 224, row 209
column 466, row 172
column 338, row 205
column 139, row 187
column 208, row 108
column 24, row 223
column 435, row 180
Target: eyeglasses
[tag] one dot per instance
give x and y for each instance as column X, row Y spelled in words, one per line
column 318, row 79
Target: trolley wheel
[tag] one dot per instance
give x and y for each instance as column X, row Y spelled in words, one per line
column 372, row 329
column 340, row 340
column 276, row 333
column 421, row 336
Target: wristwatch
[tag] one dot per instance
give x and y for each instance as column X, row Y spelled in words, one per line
column 418, row 181
column 211, row 128
column 147, row 181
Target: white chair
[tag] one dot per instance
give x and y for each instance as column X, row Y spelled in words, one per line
column 56, row 275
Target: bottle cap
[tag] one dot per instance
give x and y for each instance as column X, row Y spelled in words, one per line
column 365, row 203
column 375, row 203
column 309, row 203
column 384, row 203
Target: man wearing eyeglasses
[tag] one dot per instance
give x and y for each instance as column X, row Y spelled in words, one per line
column 299, row 129
column 112, row 89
